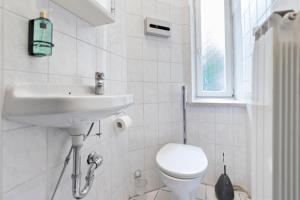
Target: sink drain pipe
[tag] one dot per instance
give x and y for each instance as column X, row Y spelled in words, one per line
column 94, row 161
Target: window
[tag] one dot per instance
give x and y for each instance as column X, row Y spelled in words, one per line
column 213, row 48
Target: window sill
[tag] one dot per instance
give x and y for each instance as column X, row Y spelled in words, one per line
column 223, row 101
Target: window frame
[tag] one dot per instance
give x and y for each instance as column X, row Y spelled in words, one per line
column 229, row 53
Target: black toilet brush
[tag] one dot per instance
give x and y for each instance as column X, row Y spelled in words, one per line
column 223, row 188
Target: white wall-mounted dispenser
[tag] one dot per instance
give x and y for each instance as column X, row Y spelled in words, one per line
column 157, row 27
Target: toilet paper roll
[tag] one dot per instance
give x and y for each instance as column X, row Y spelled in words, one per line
column 123, row 122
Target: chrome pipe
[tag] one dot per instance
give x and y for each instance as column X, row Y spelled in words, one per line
column 184, row 106
column 94, row 160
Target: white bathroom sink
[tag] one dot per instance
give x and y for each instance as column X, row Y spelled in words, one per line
column 62, row 106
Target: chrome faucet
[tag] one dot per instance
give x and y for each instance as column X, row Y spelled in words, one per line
column 99, row 83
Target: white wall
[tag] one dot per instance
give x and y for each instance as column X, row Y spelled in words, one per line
column 219, row 129
column 33, row 156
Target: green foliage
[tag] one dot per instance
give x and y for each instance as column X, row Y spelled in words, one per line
column 213, row 69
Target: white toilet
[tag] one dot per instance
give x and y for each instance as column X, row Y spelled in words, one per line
column 182, row 168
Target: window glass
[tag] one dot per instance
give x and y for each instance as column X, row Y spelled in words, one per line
column 213, row 48
column 213, row 45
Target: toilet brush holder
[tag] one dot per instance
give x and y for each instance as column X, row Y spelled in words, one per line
column 224, row 188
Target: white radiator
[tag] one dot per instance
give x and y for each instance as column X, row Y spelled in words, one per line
column 274, row 111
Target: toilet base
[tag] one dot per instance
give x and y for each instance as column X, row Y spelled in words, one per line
column 182, row 189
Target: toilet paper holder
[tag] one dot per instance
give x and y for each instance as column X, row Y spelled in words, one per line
column 122, row 121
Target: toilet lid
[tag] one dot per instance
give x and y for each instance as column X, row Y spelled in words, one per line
column 182, row 161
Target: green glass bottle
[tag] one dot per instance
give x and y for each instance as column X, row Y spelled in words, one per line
column 40, row 36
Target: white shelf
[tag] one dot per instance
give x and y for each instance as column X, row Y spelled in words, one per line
column 89, row 10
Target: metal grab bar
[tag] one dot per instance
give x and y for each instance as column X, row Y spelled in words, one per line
column 184, row 106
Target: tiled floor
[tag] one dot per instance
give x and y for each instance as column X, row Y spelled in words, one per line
column 205, row 192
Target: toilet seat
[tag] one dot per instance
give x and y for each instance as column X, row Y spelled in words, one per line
column 182, row 161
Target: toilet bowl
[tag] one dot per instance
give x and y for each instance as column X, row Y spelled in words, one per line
column 182, row 169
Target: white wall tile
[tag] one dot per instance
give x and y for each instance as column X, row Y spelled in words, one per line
column 34, row 189
column 135, row 25
column 177, row 34
column 63, row 60
column 164, row 133
column 86, row 32
column 238, row 115
column 134, row 7
column 223, row 114
column 58, row 146
column 116, row 65
column 25, row 155
column 207, row 132
column 102, row 37
column 150, row 114
column 150, row 71
column 103, row 186
column 137, row 89
column 224, row 134
column 149, row 8
column 151, row 135
column 176, row 53
column 134, row 48
column 29, row 9
column 136, row 139
column 136, row 112
column 87, row 58
column 150, row 155
column 164, row 72
column 117, row 43
column 164, row 52
column 176, row 92
column 164, row 92
column 176, row 73
column 149, row 49
column 164, row 112
column 177, row 15
column 150, row 93
column 163, row 11
column 202, row 114
column 136, row 161
column 135, row 70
